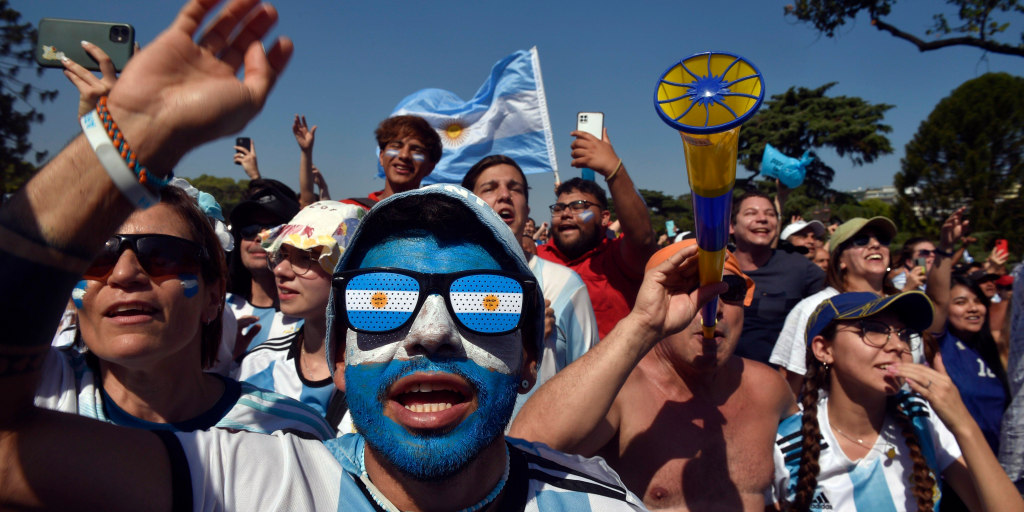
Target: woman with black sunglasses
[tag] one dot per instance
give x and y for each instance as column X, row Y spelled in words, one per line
column 858, row 262
column 878, row 431
column 149, row 320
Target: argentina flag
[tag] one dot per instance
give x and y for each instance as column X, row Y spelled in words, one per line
column 381, row 301
column 508, row 115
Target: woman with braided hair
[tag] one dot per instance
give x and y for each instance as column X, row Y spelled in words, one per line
column 866, row 442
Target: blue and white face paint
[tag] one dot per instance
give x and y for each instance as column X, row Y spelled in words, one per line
column 78, row 293
column 189, row 284
column 429, row 397
column 391, row 153
column 586, row 216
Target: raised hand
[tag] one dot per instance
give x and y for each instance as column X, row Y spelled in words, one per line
column 321, row 184
column 178, row 93
column 90, row 88
column 246, row 157
column 594, row 153
column 304, row 135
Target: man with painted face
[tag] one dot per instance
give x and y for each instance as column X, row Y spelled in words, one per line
column 409, row 150
column 612, row 269
column 685, row 423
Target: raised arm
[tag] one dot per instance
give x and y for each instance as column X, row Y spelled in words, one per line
column 599, row 155
column 90, row 88
column 574, row 410
column 305, row 137
column 939, row 277
column 173, row 96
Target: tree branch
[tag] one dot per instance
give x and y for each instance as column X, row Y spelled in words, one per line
column 952, row 41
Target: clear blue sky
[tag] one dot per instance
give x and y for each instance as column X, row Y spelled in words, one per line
column 355, row 60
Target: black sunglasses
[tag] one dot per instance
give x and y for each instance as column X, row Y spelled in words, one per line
column 383, row 300
column 159, row 255
column 249, row 232
column 737, row 291
column 863, row 239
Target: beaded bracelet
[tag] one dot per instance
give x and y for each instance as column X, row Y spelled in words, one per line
column 152, row 181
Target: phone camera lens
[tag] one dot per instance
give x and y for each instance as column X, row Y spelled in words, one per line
column 119, row 34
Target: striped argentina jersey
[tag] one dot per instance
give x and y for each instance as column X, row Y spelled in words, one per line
column 274, row 365
column 240, row 471
column 70, row 385
column 880, row 481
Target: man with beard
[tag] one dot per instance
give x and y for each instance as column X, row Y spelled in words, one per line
column 685, row 423
column 612, row 269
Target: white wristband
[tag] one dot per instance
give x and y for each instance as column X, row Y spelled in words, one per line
column 116, row 167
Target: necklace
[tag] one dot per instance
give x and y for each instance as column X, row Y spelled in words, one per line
column 385, row 504
column 890, row 450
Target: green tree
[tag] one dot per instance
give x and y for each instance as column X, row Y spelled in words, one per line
column 969, row 151
column 226, row 191
column 977, row 23
column 663, row 207
column 17, row 44
column 806, row 119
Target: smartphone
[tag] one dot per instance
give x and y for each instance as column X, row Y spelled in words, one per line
column 670, row 228
column 59, row 37
column 921, row 262
column 244, row 142
column 592, row 123
column 1002, row 245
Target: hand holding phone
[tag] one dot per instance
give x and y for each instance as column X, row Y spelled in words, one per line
column 592, row 123
column 1003, row 246
column 63, row 38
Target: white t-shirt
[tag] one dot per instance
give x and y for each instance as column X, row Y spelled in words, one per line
column 790, row 350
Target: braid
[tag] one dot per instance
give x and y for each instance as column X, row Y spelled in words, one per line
column 921, row 476
column 807, row 476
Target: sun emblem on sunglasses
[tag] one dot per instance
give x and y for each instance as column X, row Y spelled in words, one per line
column 379, row 300
column 491, row 302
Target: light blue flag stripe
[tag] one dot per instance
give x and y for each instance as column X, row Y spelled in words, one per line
column 489, row 322
column 377, row 320
column 507, row 115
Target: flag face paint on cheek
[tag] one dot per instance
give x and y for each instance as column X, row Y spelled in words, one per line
column 78, row 294
column 419, row 157
column 390, row 153
column 586, row 216
column 189, row 284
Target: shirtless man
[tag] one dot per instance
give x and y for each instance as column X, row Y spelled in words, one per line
column 687, row 425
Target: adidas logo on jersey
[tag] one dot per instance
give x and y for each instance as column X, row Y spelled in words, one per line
column 820, row 502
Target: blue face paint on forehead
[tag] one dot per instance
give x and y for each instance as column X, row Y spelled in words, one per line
column 422, row 252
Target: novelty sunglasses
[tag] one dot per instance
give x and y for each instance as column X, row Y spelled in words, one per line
column 383, row 300
column 159, row 255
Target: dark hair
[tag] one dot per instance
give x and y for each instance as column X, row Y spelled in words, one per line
column 816, row 379
column 446, row 219
column 469, row 180
column 585, row 186
column 907, row 251
column 239, row 277
column 737, row 202
column 982, row 341
column 399, row 127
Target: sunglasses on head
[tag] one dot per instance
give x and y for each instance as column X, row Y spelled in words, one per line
column 159, row 255
column 863, row 239
column 737, row 291
column 383, row 300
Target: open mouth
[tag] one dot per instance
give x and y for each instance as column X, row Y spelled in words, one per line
column 129, row 312
column 507, row 215
column 431, row 401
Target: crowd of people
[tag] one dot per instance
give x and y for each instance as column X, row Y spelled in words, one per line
column 434, row 348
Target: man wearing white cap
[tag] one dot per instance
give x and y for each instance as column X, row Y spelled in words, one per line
column 804, row 234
